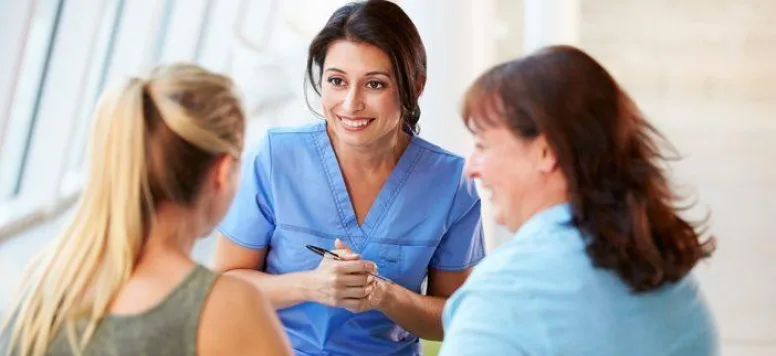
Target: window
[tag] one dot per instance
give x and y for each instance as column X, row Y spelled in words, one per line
column 180, row 33
column 100, row 61
column 169, row 7
column 214, row 47
column 27, row 95
column 67, row 53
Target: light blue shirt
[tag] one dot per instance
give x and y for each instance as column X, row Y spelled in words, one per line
column 540, row 295
column 292, row 194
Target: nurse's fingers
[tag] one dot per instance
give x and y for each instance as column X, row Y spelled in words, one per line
column 344, row 251
column 343, row 294
column 339, row 245
column 347, row 255
column 358, row 266
column 352, row 280
column 356, row 305
column 353, row 305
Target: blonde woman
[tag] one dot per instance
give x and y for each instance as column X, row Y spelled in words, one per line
column 119, row 281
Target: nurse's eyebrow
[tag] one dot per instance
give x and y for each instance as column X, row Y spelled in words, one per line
column 376, row 72
column 332, row 69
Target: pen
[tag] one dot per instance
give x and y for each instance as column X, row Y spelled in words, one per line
column 323, row 252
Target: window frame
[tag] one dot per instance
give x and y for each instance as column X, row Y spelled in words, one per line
column 42, row 194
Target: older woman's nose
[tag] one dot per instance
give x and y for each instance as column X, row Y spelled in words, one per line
column 470, row 168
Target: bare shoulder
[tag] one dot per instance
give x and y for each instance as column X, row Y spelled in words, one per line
column 234, row 293
column 238, row 319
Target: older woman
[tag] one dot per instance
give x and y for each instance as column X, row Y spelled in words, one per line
column 600, row 262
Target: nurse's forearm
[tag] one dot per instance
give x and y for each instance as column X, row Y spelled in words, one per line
column 285, row 290
column 416, row 313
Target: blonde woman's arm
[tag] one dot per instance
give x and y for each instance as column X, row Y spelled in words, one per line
column 238, row 320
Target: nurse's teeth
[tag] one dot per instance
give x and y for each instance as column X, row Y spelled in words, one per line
column 355, row 123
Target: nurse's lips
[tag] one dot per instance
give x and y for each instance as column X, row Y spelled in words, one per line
column 355, row 123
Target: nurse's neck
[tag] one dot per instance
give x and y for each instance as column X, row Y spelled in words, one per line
column 376, row 156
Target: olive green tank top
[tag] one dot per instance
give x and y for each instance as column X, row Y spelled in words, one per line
column 169, row 328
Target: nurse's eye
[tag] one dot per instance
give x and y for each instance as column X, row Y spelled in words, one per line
column 336, row 81
column 374, row 84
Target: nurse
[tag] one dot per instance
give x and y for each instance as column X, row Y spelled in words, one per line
column 362, row 182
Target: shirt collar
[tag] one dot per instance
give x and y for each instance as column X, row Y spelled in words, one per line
column 555, row 215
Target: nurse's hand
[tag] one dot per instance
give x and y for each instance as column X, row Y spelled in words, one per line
column 343, row 283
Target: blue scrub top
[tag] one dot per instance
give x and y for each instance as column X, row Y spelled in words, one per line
column 539, row 294
column 292, row 194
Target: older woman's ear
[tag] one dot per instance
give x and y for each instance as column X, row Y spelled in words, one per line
column 548, row 162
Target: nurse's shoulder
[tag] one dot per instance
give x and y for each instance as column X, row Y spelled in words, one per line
column 439, row 159
column 284, row 144
column 438, row 180
column 445, row 169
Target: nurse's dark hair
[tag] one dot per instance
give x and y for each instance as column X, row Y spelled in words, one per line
column 386, row 26
column 609, row 154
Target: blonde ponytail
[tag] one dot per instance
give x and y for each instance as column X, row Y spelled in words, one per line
column 101, row 243
column 77, row 277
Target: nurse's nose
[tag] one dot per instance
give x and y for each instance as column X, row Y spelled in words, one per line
column 353, row 102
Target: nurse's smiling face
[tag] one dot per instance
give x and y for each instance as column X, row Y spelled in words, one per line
column 359, row 94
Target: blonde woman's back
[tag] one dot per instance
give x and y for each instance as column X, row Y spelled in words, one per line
column 193, row 319
column 168, row 328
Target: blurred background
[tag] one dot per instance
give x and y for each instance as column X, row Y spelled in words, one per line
column 703, row 71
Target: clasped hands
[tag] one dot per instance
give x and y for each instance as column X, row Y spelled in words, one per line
column 345, row 283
